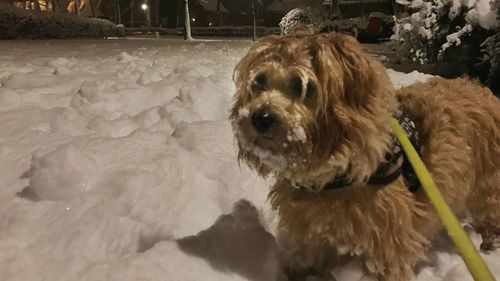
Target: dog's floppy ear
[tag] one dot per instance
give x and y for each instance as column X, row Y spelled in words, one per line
column 352, row 88
column 344, row 70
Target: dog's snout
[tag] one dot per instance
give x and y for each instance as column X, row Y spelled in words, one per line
column 262, row 120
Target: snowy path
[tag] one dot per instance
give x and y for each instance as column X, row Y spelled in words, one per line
column 117, row 162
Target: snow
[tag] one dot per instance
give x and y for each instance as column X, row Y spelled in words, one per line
column 299, row 133
column 480, row 12
column 454, row 38
column 243, row 112
column 118, row 163
column 400, row 80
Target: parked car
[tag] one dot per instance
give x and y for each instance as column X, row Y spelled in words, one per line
column 379, row 26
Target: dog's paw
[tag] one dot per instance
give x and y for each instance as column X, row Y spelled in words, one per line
column 491, row 240
column 491, row 244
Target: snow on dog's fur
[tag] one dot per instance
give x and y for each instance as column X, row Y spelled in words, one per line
column 309, row 108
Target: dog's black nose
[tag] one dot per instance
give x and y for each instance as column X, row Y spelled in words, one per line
column 262, row 120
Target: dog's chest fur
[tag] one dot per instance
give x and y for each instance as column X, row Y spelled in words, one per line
column 356, row 220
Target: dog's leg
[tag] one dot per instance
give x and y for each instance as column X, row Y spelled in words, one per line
column 395, row 266
column 484, row 205
column 401, row 246
column 303, row 262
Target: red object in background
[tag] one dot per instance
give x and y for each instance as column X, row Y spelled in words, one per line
column 374, row 26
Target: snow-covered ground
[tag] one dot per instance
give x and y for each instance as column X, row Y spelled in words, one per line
column 117, row 162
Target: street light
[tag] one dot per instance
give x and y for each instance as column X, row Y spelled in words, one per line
column 145, row 7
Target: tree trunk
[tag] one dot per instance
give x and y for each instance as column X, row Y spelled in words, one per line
column 65, row 6
column 37, row 5
column 61, row 6
column 55, row 6
column 92, row 8
column 77, row 7
column 132, row 11
column 218, row 12
column 254, row 37
column 395, row 9
column 156, row 11
column 187, row 21
column 336, row 5
column 118, row 11
column 331, row 10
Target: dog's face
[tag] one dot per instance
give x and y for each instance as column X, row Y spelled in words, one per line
column 302, row 101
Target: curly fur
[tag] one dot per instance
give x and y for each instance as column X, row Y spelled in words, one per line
column 333, row 103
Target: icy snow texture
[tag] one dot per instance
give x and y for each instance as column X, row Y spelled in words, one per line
column 118, row 163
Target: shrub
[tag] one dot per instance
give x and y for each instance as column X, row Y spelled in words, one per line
column 294, row 17
column 19, row 23
column 491, row 58
column 453, row 32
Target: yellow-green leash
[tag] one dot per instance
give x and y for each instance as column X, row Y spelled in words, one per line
column 471, row 257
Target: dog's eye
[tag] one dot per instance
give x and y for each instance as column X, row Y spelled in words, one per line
column 311, row 89
column 296, row 87
column 259, row 84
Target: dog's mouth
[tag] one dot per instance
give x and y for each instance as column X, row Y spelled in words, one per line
column 279, row 149
column 250, row 141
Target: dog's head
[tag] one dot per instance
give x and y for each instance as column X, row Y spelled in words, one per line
column 310, row 107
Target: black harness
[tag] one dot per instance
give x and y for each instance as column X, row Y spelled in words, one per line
column 386, row 171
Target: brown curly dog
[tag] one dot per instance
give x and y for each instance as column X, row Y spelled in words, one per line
column 314, row 112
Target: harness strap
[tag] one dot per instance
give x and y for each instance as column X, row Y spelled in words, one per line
column 387, row 172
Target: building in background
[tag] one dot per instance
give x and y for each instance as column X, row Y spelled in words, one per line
column 128, row 12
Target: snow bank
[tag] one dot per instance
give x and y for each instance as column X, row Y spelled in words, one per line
column 118, row 163
column 19, row 23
